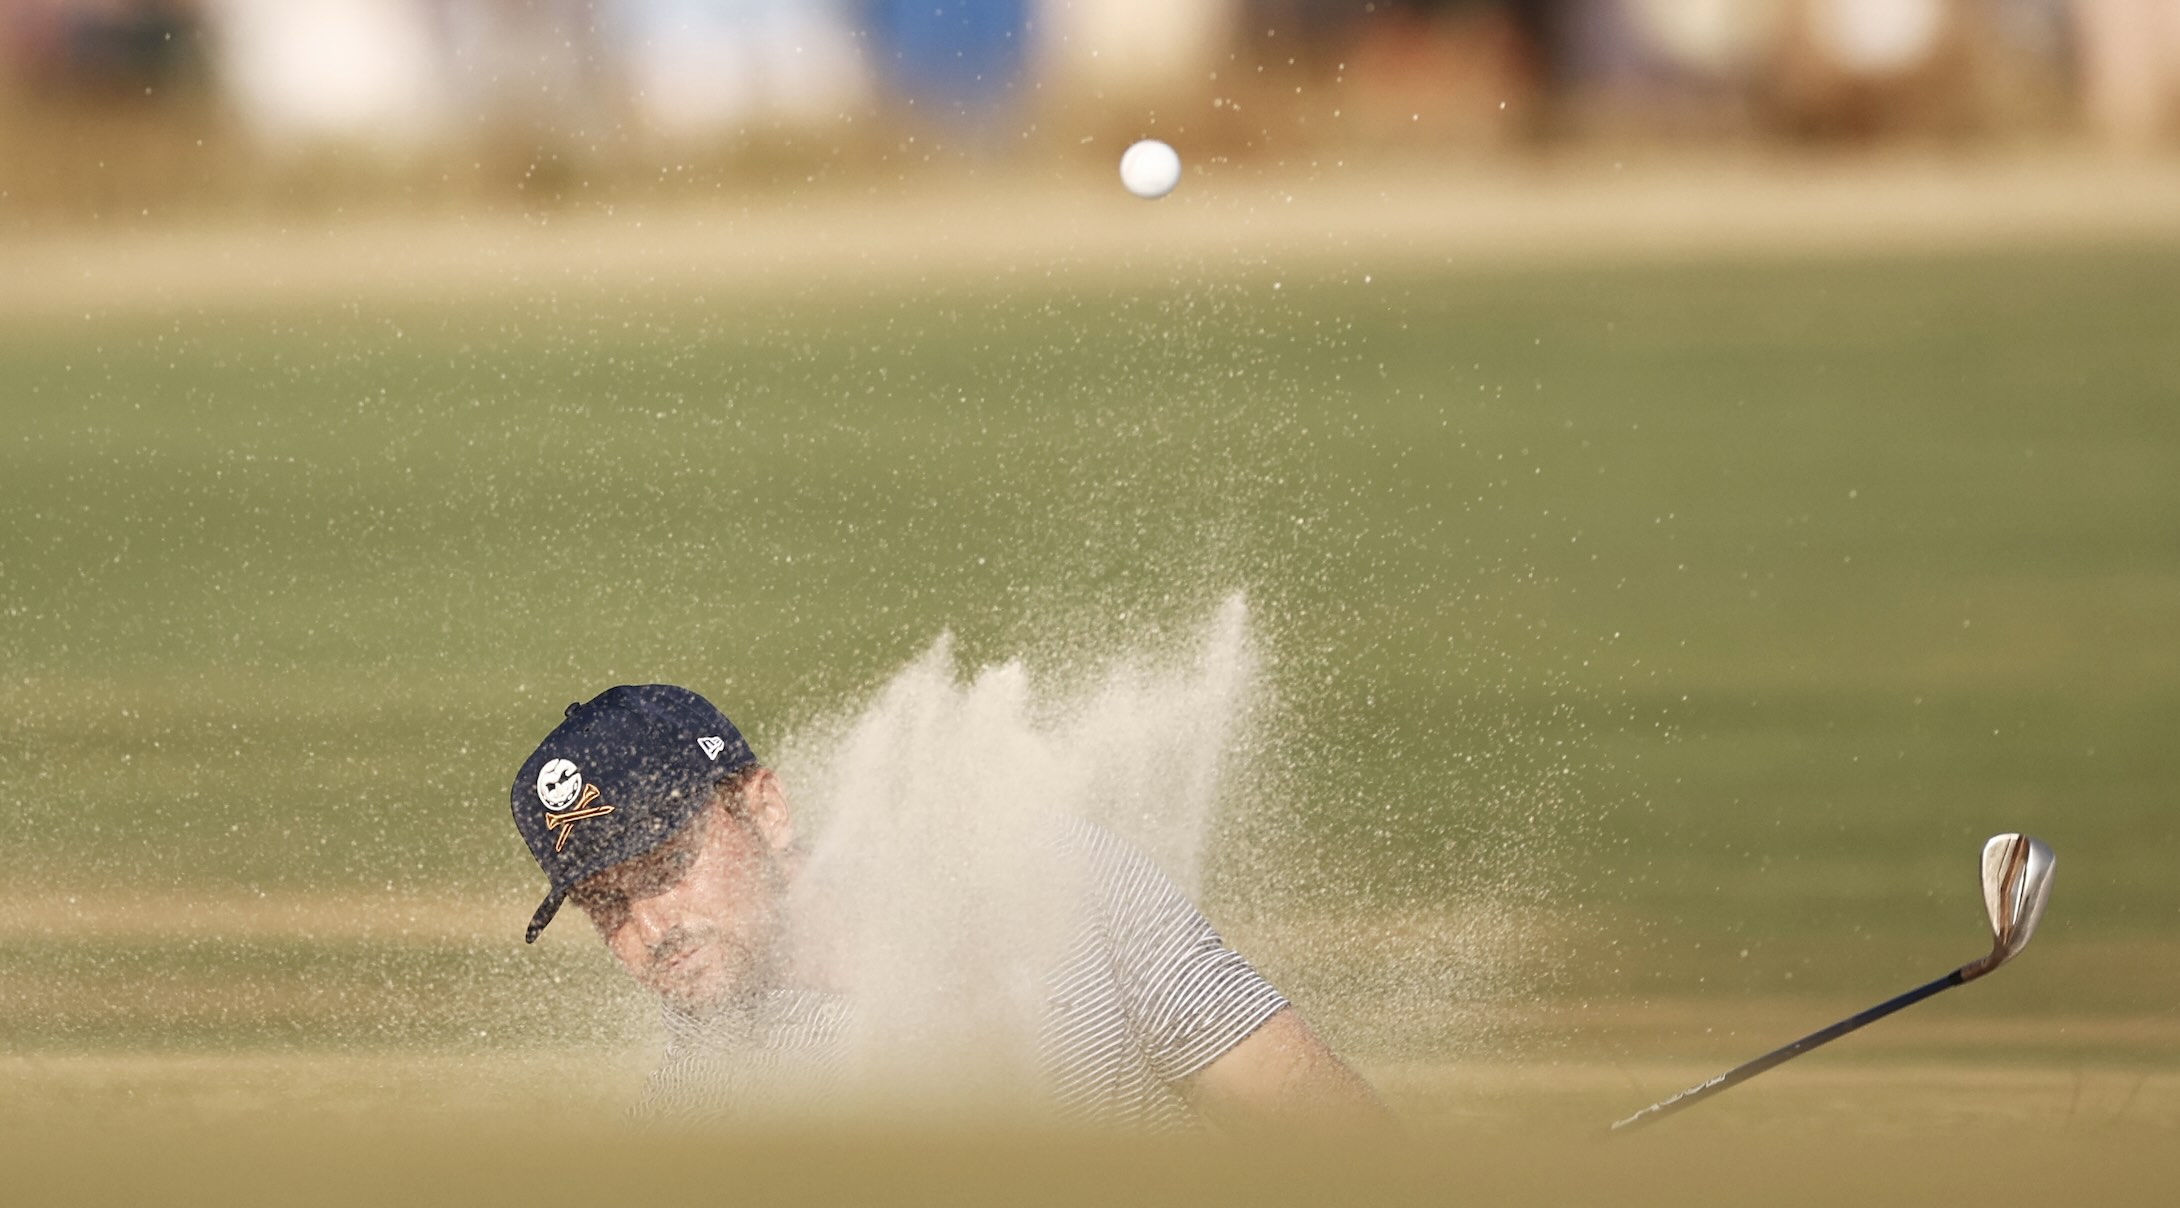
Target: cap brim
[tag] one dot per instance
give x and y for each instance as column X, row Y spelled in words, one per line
column 545, row 912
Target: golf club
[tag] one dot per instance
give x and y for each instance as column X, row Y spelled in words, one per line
column 2016, row 885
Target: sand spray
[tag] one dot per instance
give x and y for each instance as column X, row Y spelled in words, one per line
column 930, row 892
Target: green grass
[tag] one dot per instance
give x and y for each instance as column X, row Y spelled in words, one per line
column 1734, row 602
column 310, row 994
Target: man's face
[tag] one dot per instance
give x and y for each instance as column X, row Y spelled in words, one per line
column 696, row 920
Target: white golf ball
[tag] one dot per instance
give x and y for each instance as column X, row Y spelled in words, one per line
column 1150, row 168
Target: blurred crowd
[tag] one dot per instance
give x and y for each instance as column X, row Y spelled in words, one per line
column 137, row 86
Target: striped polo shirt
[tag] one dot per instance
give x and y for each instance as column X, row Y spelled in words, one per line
column 1144, row 994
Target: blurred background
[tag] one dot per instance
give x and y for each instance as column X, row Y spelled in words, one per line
column 202, row 104
column 1696, row 468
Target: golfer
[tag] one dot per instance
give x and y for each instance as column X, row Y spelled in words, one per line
column 647, row 808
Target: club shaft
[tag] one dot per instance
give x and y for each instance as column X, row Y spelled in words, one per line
column 1749, row 1069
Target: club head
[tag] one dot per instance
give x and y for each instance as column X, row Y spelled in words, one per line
column 2016, row 885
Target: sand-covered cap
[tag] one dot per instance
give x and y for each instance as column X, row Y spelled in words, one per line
column 617, row 777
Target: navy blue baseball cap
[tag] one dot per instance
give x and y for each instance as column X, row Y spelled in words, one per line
column 617, row 778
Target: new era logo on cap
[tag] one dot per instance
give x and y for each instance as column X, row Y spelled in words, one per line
column 622, row 766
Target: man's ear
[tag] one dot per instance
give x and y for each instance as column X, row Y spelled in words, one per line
column 766, row 801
